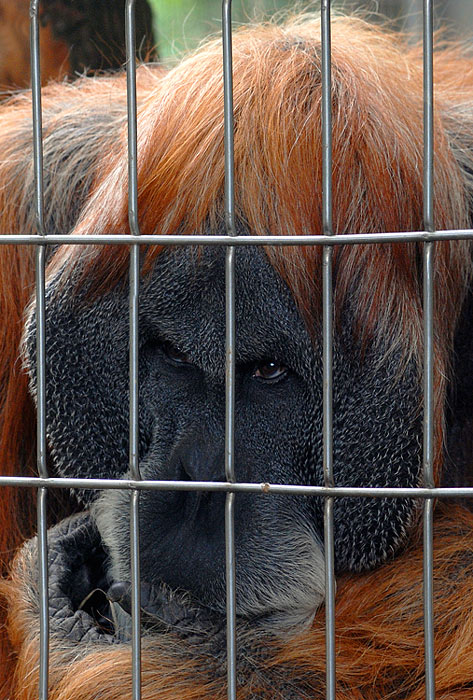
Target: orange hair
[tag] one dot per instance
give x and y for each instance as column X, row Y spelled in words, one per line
column 379, row 641
column 377, row 173
column 377, row 186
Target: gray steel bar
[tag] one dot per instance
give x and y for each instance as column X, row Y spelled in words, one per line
column 212, row 240
column 428, row 195
column 37, row 115
column 428, row 191
column 243, row 487
column 230, row 568
column 230, row 474
column 327, row 336
column 327, row 222
column 428, row 422
column 40, row 352
column 135, row 594
column 230, row 345
column 43, row 594
column 43, row 472
column 428, row 594
column 228, row 117
column 130, row 36
column 330, row 670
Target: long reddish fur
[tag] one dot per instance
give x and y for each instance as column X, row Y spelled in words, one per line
column 379, row 649
column 378, row 137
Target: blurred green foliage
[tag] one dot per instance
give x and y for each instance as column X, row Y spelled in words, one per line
column 181, row 24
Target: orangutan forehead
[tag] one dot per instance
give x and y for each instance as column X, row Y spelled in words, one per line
column 377, row 183
column 183, row 301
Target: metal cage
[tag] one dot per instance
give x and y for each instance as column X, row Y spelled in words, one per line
column 231, row 241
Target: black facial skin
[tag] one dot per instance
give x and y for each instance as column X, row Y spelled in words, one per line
column 278, row 430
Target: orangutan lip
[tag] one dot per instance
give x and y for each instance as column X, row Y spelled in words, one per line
column 164, row 609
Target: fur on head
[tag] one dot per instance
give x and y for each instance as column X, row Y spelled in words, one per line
column 377, row 173
column 377, row 186
column 377, row 157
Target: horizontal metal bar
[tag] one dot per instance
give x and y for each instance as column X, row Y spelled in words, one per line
column 156, row 239
column 224, row 486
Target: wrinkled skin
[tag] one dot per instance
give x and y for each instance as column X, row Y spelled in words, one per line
column 278, row 431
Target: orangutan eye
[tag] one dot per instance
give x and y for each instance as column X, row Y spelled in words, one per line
column 270, row 371
column 175, row 355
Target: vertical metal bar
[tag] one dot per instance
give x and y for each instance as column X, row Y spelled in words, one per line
column 428, row 117
column 230, row 345
column 428, row 293
column 327, row 335
column 428, row 600
column 37, row 114
column 130, row 36
column 228, row 117
column 40, row 351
